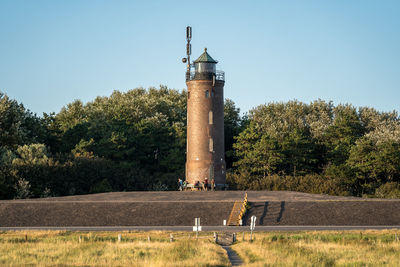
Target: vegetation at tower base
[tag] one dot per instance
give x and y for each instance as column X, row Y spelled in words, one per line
column 137, row 141
column 233, row 125
column 127, row 141
column 319, row 148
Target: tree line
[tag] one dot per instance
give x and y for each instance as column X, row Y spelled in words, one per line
column 319, row 148
column 136, row 140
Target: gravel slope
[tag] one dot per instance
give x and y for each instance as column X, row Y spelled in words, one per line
column 180, row 208
column 325, row 213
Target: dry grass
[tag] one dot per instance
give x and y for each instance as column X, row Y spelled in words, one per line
column 333, row 248
column 52, row 248
column 321, row 248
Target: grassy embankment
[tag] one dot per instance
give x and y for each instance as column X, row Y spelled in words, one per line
column 50, row 248
column 322, row 248
column 327, row 248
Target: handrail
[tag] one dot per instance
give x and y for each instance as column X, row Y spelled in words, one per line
column 219, row 75
column 243, row 209
column 233, row 212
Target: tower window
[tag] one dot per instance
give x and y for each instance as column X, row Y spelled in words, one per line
column 210, row 117
column 188, row 95
column 211, row 145
column 207, row 93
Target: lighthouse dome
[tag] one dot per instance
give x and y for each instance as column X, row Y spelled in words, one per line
column 205, row 64
column 205, row 58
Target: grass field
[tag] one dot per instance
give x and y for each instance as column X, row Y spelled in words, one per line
column 52, row 248
column 323, row 248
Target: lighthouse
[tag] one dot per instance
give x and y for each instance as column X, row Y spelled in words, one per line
column 205, row 151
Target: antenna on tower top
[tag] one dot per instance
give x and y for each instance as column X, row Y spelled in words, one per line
column 188, row 51
column 188, row 33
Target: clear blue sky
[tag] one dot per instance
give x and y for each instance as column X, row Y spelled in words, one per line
column 52, row 52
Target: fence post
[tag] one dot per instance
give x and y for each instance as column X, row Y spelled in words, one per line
column 215, row 237
column 252, row 227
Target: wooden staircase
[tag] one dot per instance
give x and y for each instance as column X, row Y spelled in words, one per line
column 238, row 211
column 232, row 221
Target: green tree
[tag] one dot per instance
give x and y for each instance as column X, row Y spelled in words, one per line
column 342, row 134
column 143, row 129
column 17, row 125
column 7, row 175
column 33, row 170
column 375, row 163
column 277, row 141
column 301, row 154
column 232, row 128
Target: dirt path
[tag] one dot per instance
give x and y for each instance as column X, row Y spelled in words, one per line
column 233, row 256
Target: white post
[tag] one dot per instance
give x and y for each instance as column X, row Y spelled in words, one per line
column 197, row 226
column 252, row 226
column 119, row 237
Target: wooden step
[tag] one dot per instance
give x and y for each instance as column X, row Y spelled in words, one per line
column 233, row 217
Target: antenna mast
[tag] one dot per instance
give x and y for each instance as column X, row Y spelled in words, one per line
column 188, row 51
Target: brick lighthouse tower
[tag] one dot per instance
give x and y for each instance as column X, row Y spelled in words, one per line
column 205, row 151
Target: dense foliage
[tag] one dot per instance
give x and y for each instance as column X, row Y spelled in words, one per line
column 137, row 141
column 319, row 148
column 127, row 141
